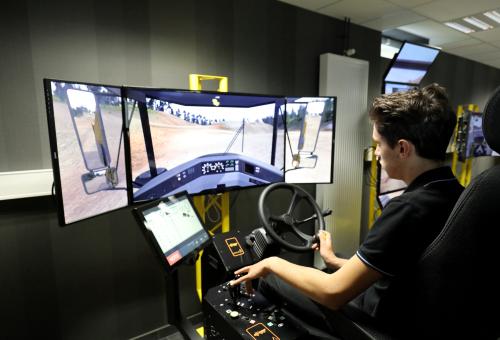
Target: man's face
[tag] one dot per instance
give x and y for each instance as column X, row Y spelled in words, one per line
column 388, row 157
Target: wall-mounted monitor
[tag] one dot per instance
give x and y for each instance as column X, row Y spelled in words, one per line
column 173, row 228
column 310, row 139
column 396, row 87
column 470, row 139
column 411, row 64
column 87, row 148
column 201, row 142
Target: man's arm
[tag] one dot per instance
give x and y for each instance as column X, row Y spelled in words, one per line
column 332, row 290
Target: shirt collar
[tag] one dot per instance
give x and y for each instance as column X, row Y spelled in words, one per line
column 441, row 173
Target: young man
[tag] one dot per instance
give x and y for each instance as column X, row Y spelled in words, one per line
column 412, row 131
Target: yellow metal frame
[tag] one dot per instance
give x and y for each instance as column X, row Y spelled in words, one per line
column 195, row 82
column 465, row 175
column 206, row 202
column 373, row 209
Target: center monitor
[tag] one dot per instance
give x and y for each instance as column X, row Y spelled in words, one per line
column 173, row 228
column 201, row 142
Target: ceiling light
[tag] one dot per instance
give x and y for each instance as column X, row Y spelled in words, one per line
column 493, row 15
column 478, row 23
column 459, row 27
column 387, row 51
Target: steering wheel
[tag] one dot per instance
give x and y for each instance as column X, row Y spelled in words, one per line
column 274, row 225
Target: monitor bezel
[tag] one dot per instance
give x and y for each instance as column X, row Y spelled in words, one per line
column 333, row 140
column 377, row 186
column 393, row 60
column 151, row 239
column 128, row 156
column 54, row 152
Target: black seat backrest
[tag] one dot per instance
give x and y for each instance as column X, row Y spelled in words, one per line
column 457, row 286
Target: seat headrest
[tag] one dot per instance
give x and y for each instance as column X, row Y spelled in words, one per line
column 491, row 121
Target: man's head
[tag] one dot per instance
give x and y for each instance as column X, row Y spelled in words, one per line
column 423, row 117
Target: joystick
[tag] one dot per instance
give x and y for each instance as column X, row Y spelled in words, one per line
column 234, row 292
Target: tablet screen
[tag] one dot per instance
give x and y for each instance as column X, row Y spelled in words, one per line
column 175, row 227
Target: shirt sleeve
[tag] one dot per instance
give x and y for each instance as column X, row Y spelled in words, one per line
column 388, row 246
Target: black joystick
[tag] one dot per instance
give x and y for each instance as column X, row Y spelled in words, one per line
column 234, row 292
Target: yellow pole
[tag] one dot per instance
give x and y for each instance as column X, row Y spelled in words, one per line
column 460, row 111
column 203, row 203
column 373, row 188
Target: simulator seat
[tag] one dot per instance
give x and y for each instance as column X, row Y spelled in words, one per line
column 456, row 291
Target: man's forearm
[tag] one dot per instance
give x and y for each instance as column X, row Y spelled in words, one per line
column 310, row 281
column 334, row 262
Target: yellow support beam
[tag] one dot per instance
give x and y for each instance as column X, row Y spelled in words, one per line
column 465, row 174
column 195, row 82
column 460, row 112
column 220, row 201
column 373, row 211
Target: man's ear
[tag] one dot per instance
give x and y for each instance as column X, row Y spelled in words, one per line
column 405, row 148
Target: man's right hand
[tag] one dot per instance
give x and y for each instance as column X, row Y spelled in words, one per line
column 326, row 250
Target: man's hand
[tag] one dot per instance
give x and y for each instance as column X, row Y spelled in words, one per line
column 249, row 273
column 326, row 250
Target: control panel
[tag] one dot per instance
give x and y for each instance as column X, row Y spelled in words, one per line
column 231, row 313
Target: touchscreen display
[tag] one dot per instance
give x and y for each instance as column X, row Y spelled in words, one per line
column 176, row 227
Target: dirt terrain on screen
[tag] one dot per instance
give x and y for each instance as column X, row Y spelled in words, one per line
column 318, row 174
column 176, row 141
column 77, row 203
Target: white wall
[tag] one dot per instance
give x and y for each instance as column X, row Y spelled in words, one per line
column 347, row 79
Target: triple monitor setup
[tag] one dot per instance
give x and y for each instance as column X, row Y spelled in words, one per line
column 154, row 149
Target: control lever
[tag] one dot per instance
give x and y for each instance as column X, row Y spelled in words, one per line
column 234, row 291
column 325, row 213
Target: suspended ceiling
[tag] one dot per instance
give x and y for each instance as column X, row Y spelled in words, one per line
column 423, row 18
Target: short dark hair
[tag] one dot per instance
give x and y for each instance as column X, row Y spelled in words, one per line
column 422, row 116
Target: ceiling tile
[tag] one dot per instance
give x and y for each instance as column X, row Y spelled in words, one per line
column 311, row 5
column 489, row 35
column 360, row 10
column 460, row 43
column 490, row 56
column 444, row 10
column 437, row 33
column 474, row 49
column 393, row 20
column 495, row 63
column 409, row 3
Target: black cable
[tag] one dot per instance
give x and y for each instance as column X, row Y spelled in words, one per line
column 233, row 200
column 286, row 132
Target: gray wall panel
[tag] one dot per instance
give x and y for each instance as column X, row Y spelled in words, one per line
column 63, row 46
column 20, row 134
column 173, row 43
column 137, row 42
column 110, row 41
column 250, row 47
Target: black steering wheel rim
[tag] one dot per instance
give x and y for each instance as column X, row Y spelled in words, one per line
column 287, row 219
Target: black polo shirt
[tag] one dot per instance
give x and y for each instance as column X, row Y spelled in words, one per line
column 407, row 225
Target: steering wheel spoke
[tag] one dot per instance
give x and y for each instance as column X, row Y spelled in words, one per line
column 295, row 200
column 310, row 218
column 275, row 218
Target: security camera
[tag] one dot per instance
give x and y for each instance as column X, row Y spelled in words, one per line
column 350, row 52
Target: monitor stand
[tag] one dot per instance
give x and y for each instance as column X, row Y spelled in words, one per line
column 174, row 315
